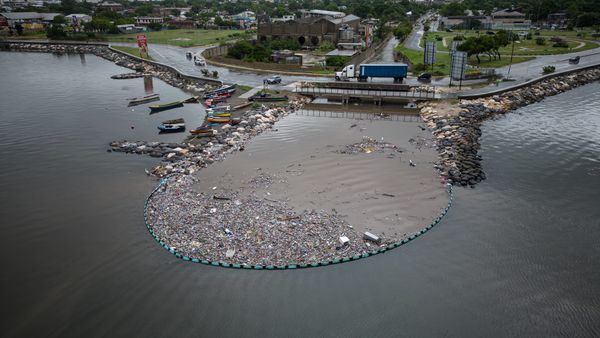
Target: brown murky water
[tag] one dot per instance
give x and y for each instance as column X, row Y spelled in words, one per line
column 375, row 189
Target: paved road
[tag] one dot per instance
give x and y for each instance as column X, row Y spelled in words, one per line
column 175, row 56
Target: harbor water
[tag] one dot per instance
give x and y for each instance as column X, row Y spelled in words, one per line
column 516, row 256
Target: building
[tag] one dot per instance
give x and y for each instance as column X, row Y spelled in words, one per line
column 182, row 23
column 284, row 18
column 506, row 19
column 557, row 19
column 317, row 13
column 311, row 30
column 464, row 21
column 110, row 6
column 147, row 20
column 78, row 19
column 130, row 28
column 29, row 20
column 509, row 19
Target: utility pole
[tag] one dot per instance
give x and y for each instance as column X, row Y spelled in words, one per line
column 512, row 53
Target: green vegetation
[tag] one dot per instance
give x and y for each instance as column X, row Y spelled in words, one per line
column 260, row 51
column 580, row 13
column 548, row 69
column 324, row 48
column 442, row 65
column 183, row 37
column 133, row 51
column 337, row 61
column 243, row 88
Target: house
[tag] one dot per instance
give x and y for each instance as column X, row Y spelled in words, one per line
column 284, row 18
column 509, row 19
column 311, row 30
column 147, row 20
column 182, row 23
column 130, row 28
column 557, row 19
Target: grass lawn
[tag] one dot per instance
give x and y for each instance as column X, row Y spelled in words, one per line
column 443, row 60
column 182, row 37
column 523, row 47
column 133, row 51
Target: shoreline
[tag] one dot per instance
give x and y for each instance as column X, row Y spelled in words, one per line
column 456, row 126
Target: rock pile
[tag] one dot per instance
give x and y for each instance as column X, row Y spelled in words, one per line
column 457, row 130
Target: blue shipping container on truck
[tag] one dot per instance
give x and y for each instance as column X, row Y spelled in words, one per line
column 398, row 71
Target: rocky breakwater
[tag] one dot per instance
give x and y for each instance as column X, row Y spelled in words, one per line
column 167, row 74
column 456, row 127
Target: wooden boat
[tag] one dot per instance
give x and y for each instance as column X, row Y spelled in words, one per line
column 144, row 99
column 127, row 76
column 218, row 109
column 166, row 106
column 213, row 102
column 219, row 114
column 218, row 119
column 229, row 89
column 267, row 98
column 193, row 99
column 171, row 126
column 243, row 105
column 235, row 121
column 202, row 130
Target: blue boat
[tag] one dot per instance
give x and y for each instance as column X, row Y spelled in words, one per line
column 172, row 126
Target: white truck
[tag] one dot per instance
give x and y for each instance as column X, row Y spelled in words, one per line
column 397, row 71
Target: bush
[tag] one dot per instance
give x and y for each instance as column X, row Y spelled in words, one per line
column 548, row 69
column 458, row 38
column 155, row 26
column 326, row 46
column 439, row 38
column 55, row 32
column 419, row 67
column 529, row 36
column 337, row 61
column 561, row 44
column 540, row 41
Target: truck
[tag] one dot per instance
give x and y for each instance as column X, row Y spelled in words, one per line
column 397, row 71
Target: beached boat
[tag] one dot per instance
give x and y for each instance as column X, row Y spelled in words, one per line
column 144, row 99
column 218, row 119
column 215, row 109
column 219, row 114
column 267, row 98
column 202, row 130
column 166, row 106
column 225, row 89
column 211, row 103
column 235, row 121
column 193, row 99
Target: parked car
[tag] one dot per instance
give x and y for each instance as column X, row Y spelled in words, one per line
column 424, row 77
column 273, row 80
column 449, row 30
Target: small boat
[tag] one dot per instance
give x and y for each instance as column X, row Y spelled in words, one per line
column 166, row 106
column 193, row 99
column 171, row 126
column 218, row 109
column 219, row 114
column 267, row 98
column 211, row 103
column 202, row 130
column 240, row 106
column 144, row 99
column 575, row 60
column 127, row 76
column 218, row 119
column 235, row 121
column 230, row 89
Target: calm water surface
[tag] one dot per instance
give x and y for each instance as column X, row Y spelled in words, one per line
column 517, row 256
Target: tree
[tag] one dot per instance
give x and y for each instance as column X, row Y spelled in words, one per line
column 59, row 20
column 453, row 9
column 155, row 26
column 144, row 10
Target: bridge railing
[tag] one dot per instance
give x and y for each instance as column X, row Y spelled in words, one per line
column 414, row 93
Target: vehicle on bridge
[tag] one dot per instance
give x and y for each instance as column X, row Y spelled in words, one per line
column 397, row 71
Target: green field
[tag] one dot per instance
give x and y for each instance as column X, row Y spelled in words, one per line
column 442, row 65
column 523, row 47
column 183, row 37
column 133, row 51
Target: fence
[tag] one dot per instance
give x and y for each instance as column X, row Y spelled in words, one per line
column 412, row 94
